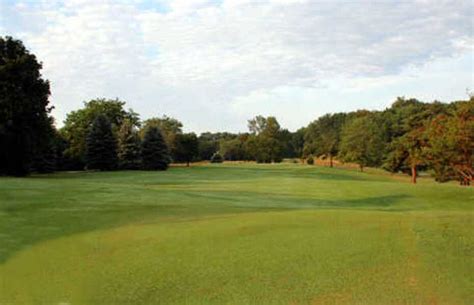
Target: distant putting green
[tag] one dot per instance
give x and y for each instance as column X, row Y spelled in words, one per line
column 235, row 234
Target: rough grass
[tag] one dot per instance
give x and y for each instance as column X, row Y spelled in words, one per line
column 238, row 234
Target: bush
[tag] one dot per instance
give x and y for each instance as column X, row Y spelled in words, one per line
column 310, row 160
column 217, row 158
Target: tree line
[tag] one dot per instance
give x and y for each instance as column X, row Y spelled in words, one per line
column 410, row 136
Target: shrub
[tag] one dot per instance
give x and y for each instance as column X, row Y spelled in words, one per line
column 217, row 158
column 310, row 160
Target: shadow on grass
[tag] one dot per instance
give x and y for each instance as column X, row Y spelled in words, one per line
column 27, row 224
column 45, row 207
column 267, row 200
column 224, row 173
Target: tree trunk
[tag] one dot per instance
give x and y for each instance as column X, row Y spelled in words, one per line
column 361, row 168
column 330, row 160
column 187, row 163
column 413, row 174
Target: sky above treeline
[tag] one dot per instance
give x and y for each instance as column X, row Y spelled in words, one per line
column 215, row 64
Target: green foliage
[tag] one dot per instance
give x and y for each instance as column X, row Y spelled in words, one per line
column 407, row 137
column 450, row 143
column 407, row 124
column 25, row 123
column 362, row 141
column 323, row 135
column 209, row 143
column 217, row 158
column 169, row 127
column 186, row 149
column 265, row 144
column 101, row 149
column 155, row 153
column 77, row 123
column 233, row 149
column 310, row 160
column 297, row 143
column 129, row 145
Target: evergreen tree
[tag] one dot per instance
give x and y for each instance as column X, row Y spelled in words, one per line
column 155, row 154
column 77, row 124
column 128, row 146
column 25, row 122
column 169, row 127
column 101, row 145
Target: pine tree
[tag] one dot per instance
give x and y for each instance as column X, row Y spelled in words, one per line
column 128, row 146
column 101, row 145
column 155, row 154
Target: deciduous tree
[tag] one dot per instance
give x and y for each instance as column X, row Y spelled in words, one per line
column 77, row 124
column 323, row 135
column 25, row 122
column 169, row 127
column 362, row 142
column 186, row 147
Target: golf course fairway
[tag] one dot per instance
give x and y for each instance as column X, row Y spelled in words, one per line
column 235, row 234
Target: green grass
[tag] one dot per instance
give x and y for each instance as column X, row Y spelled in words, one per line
column 235, row 234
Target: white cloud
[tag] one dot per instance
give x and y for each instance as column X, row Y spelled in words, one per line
column 197, row 59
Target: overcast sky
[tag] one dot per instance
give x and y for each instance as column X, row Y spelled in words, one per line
column 215, row 64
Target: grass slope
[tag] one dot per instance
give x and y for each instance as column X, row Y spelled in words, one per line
column 239, row 234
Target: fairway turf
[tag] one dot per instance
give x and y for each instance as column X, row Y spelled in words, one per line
column 235, row 234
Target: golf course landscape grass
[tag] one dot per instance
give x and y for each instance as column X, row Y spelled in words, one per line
column 235, row 234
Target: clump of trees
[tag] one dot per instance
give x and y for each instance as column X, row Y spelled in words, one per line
column 408, row 137
column 323, row 136
column 362, row 141
column 105, row 136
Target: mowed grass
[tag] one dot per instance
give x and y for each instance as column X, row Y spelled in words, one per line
column 235, row 234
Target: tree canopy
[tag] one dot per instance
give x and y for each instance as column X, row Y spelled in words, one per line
column 323, row 135
column 408, row 137
column 186, row 148
column 78, row 122
column 26, row 127
column 362, row 142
